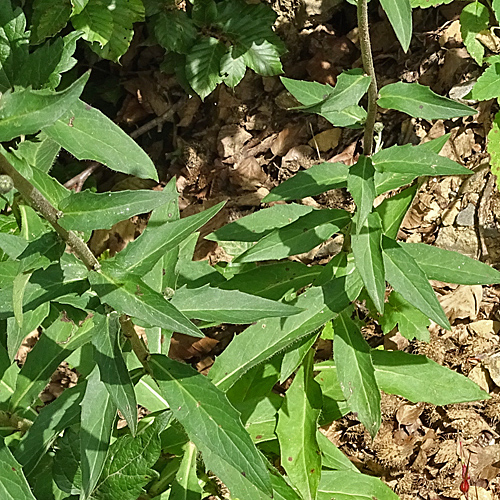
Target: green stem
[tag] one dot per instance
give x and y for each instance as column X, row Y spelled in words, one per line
column 367, row 58
column 39, row 203
column 138, row 346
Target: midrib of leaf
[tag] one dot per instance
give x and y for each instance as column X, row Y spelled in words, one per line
column 342, row 92
column 156, row 394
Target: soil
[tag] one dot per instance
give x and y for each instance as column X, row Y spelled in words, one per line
column 238, row 144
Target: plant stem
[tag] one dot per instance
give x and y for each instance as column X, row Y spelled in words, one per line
column 367, row 58
column 138, row 346
column 38, row 202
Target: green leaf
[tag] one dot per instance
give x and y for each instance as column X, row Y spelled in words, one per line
column 124, row 13
column 51, row 421
column 415, row 161
column 392, row 210
column 95, row 21
column 356, row 373
column 293, row 357
column 212, row 424
column 365, row 242
column 271, row 336
column 78, row 5
column 141, row 255
column 97, row 422
column 48, row 18
column 333, row 458
column 300, row 236
column 203, row 65
column 66, row 467
column 421, row 102
column 418, row 378
column 42, row 252
column 296, row 431
column 494, row 145
column 424, row 4
column 348, row 485
column 175, row 31
column 113, row 369
column 18, row 287
column 263, row 57
column 186, row 486
column 487, row 85
column 129, row 464
column 311, row 182
column 411, row 322
column 257, row 225
column 232, row 69
column 13, row 484
column 12, row 244
column 128, row 294
column 26, row 111
column 451, row 267
column 90, row 135
column 86, row 210
column 406, row 277
column 361, row 185
column 49, row 186
column 399, row 14
column 39, row 152
column 56, row 343
column 475, row 17
column 227, row 306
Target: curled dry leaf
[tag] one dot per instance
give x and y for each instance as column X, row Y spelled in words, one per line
column 463, row 302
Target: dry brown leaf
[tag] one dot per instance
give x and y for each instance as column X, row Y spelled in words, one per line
column 231, row 140
column 184, row 347
column 326, row 140
column 463, row 302
column 248, row 174
column 287, row 138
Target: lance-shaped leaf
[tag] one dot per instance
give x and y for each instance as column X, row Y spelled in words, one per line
column 88, row 134
column 13, row 484
column 348, row 484
column 451, row 267
column 298, row 237
column 228, row 306
column 420, row 101
column 271, row 336
column 296, row 431
column 365, row 243
column 399, row 14
column 86, row 210
column 333, row 458
column 56, row 343
column 311, row 182
column 128, row 294
column 66, row 465
column 113, row 369
column 185, row 485
column 361, row 185
column 418, row 378
column 355, row 372
column 212, row 424
column 142, row 254
column 51, row 421
column 27, row 111
column 406, row 277
column 97, row 422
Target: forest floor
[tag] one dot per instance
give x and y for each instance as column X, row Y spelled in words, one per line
column 238, row 144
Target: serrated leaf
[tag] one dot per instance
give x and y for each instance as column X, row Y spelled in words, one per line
column 49, row 18
column 300, row 236
column 488, row 84
column 232, row 69
column 406, row 277
column 26, row 111
column 113, row 369
column 227, row 306
column 186, row 486
column 212, row 424
column 451, row 267
column 129, row 465
column 420, row 101
column 311, row 182
column 90, row 135
column 141, row 255
column 412, row 323
column 128, row 294
column 474, row 18
column 95, row 21
column 296, row 431
column 399, row 14
column 49, row 186
column 424, row 4
column 365, row 242
column 203, row 65
column 356, row 373
column 344, row 485
column 95, row 432
column 175, row 31
column 268, row 337
column 257, row 225
column 361, row 185
column 39, row 152
column 13, row 484
column 262, row 57
column 86, row 210
column 418, row 378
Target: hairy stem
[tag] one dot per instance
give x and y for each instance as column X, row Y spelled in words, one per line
column 39, row 203
column 366, row 57
column 138, row 346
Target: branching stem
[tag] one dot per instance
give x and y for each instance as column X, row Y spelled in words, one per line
column 39, row 203
column 367, row 58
